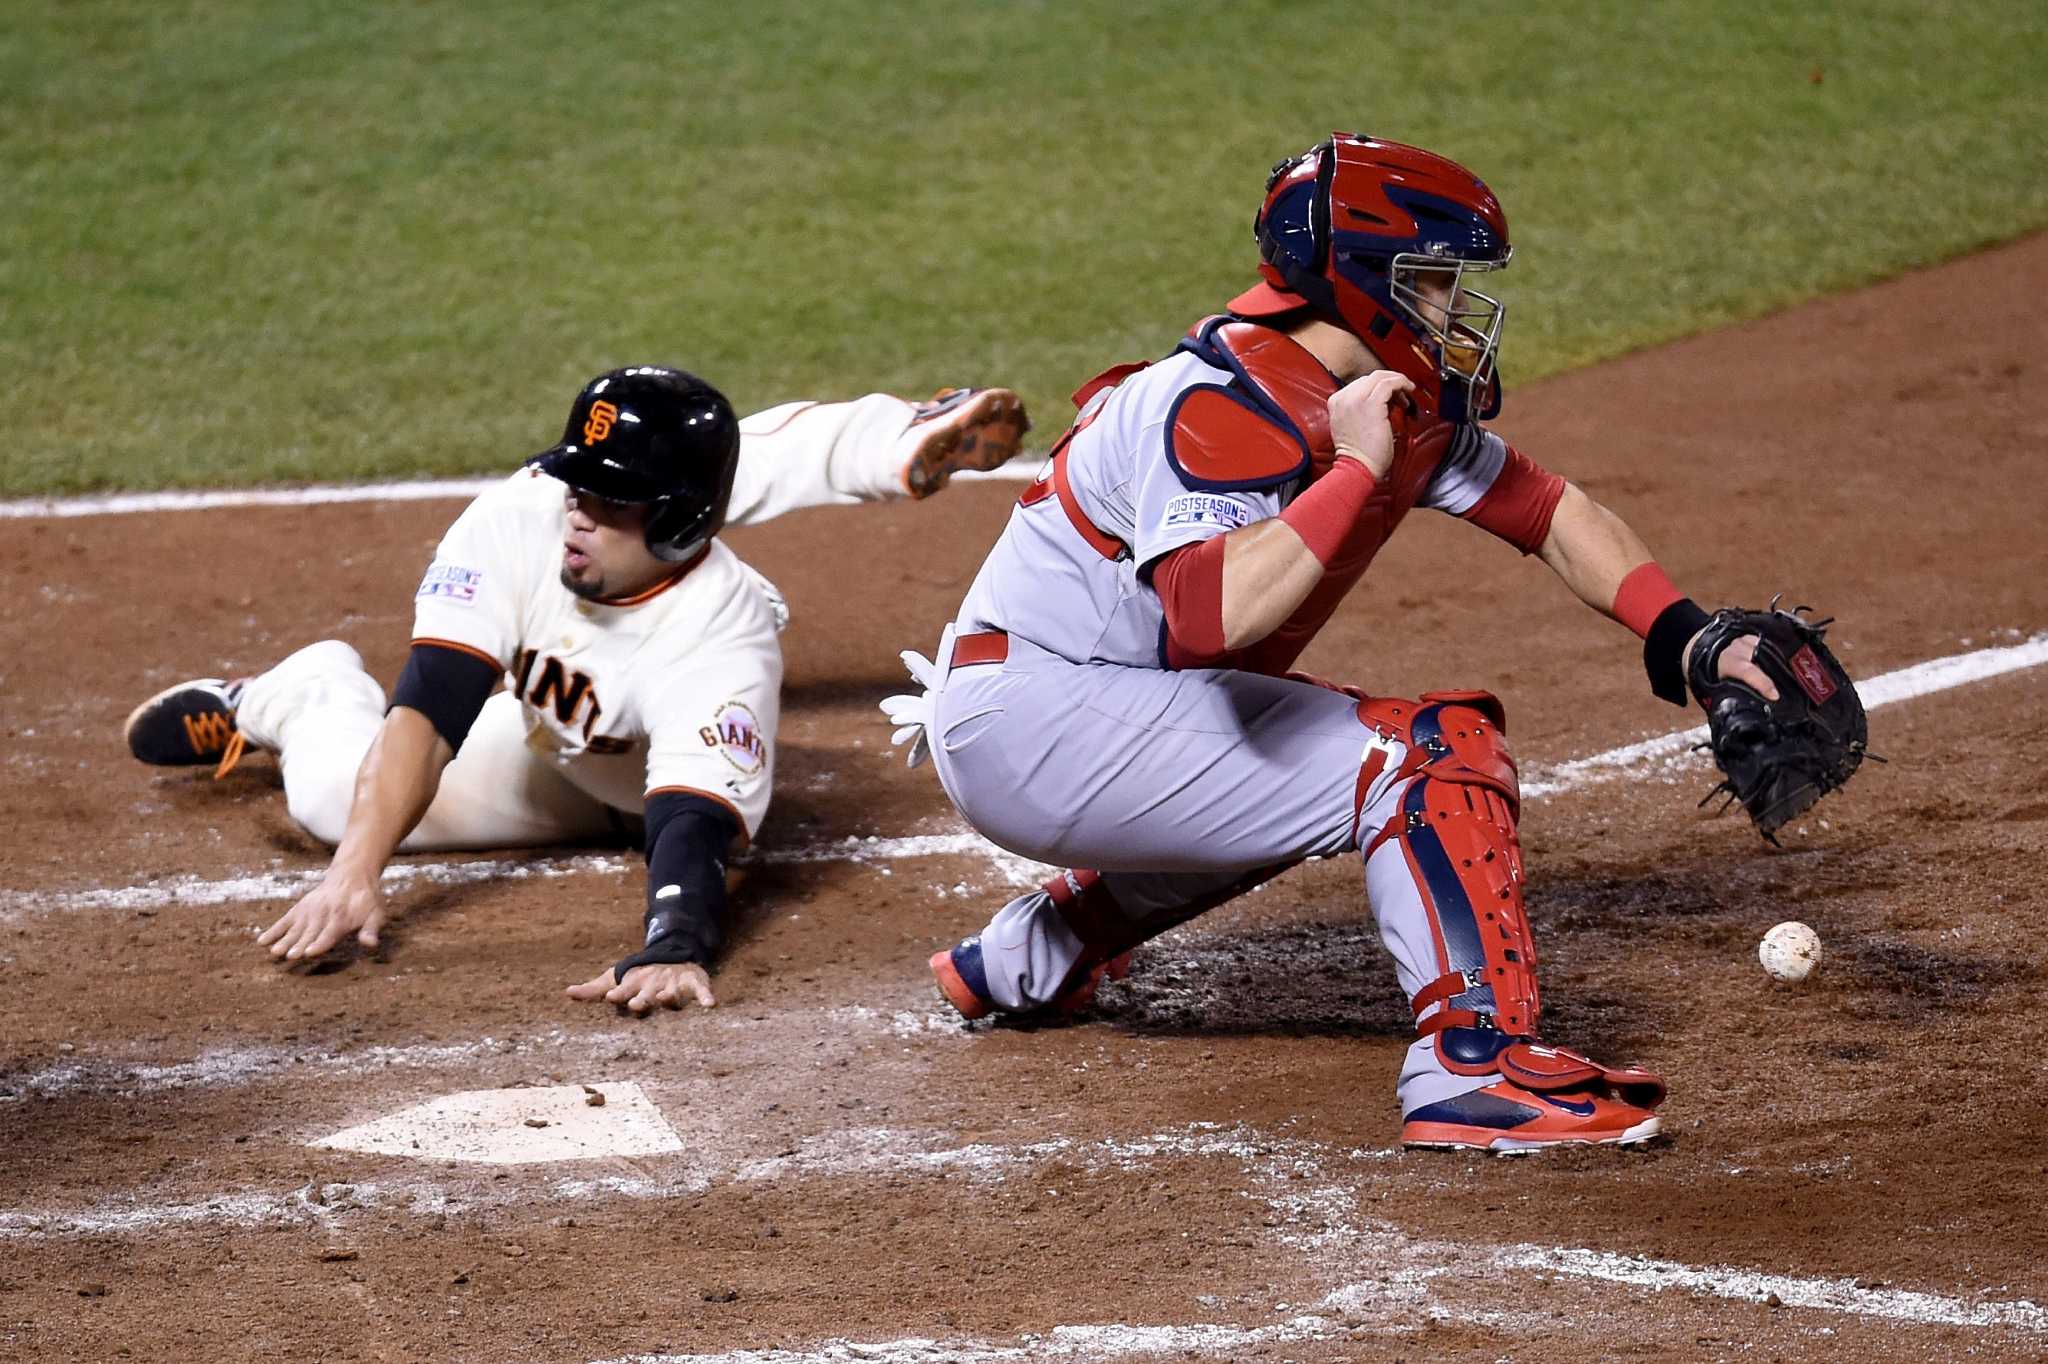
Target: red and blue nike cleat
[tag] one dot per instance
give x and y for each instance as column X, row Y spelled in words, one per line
column 1546, row 1096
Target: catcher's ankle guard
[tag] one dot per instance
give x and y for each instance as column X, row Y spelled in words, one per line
column 1543, row 1068
column 1550, row 1070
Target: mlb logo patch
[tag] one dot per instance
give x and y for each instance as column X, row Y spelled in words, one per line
column 451, row 582
column 1206, row 509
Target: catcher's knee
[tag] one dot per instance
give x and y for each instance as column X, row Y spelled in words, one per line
column 1453, row 736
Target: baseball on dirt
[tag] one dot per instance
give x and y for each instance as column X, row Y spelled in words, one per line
column 1790, row 951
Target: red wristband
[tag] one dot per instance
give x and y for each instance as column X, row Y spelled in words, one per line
column 1642, row 597
column 1325, row 512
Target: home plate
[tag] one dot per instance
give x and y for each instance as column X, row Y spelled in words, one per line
column 518, row 1126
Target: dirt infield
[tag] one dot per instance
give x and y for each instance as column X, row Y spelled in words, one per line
column 1206, row 1165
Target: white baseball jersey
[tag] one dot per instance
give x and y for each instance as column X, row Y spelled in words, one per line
column 675, row 689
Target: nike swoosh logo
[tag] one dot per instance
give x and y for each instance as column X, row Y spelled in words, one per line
column 1584, row 1110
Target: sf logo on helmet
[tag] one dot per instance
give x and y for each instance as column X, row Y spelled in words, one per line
column 598, row 424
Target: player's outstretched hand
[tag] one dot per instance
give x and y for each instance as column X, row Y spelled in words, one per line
column 1360, row 426
column 1738, row 664
column 671, row 986
column 324, row 916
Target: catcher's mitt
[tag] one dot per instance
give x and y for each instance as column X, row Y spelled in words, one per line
column 1778, row 757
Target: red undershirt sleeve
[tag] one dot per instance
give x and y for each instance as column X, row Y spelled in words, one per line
column 1519, row 505
column 1189, row 582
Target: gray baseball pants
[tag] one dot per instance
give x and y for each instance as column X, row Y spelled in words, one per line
column 1173, row 785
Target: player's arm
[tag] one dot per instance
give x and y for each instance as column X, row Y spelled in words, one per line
column 689, row 837
column 438, row 698
column 1593, row 551
column 1608, row 567
column 1232, row 590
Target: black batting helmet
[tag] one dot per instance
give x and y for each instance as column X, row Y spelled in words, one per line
column 657, row 436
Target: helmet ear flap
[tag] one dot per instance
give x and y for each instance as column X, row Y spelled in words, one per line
column 1319, row 207
column 679, row 526
column 1292, row 228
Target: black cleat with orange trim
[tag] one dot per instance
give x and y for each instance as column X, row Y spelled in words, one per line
column 961, row 428
column 186, row 725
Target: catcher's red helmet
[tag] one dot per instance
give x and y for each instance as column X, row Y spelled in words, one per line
column 1345, row 229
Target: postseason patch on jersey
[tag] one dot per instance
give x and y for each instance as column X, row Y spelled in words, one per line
column 451, row 582
column 1206, row 509
column 735, row 733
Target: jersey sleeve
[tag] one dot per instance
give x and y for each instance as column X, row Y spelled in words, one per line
column 1496, row 487
column 711, row 716
column 1217, row 468
column 471, row 596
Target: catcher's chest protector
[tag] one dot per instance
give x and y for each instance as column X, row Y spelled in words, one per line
column 1284, row 390
column 1291, row 387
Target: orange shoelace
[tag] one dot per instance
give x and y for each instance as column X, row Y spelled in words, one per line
column 215, row 732
column 237, row 745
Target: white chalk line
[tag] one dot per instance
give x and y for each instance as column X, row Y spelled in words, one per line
column 1021, row 469
column 1310, row 1188
column 1829, row 1295
column 1647, row 758
column 259, row 887
column 1313, row 1205
column 196, row 892
column 1116, row 1341
column 238, row 1067
column 848, row 1152
column 1062, row 1342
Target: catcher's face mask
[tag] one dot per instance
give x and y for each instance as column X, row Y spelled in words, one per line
column 1464, row 323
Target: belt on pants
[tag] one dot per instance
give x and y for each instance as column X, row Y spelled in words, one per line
column 987, row 646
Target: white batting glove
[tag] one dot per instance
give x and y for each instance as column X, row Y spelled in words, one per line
column 911, row 713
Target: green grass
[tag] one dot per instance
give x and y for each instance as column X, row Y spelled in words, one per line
column 264, row 241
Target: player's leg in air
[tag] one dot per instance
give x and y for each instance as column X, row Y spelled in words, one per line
column 318, row 710
column 810, row 454
column 1230, row 778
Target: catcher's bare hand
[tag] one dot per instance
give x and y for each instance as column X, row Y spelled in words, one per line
column 1359, row 423
column 324, row 916
column 1738, row 664
column 671, row 986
